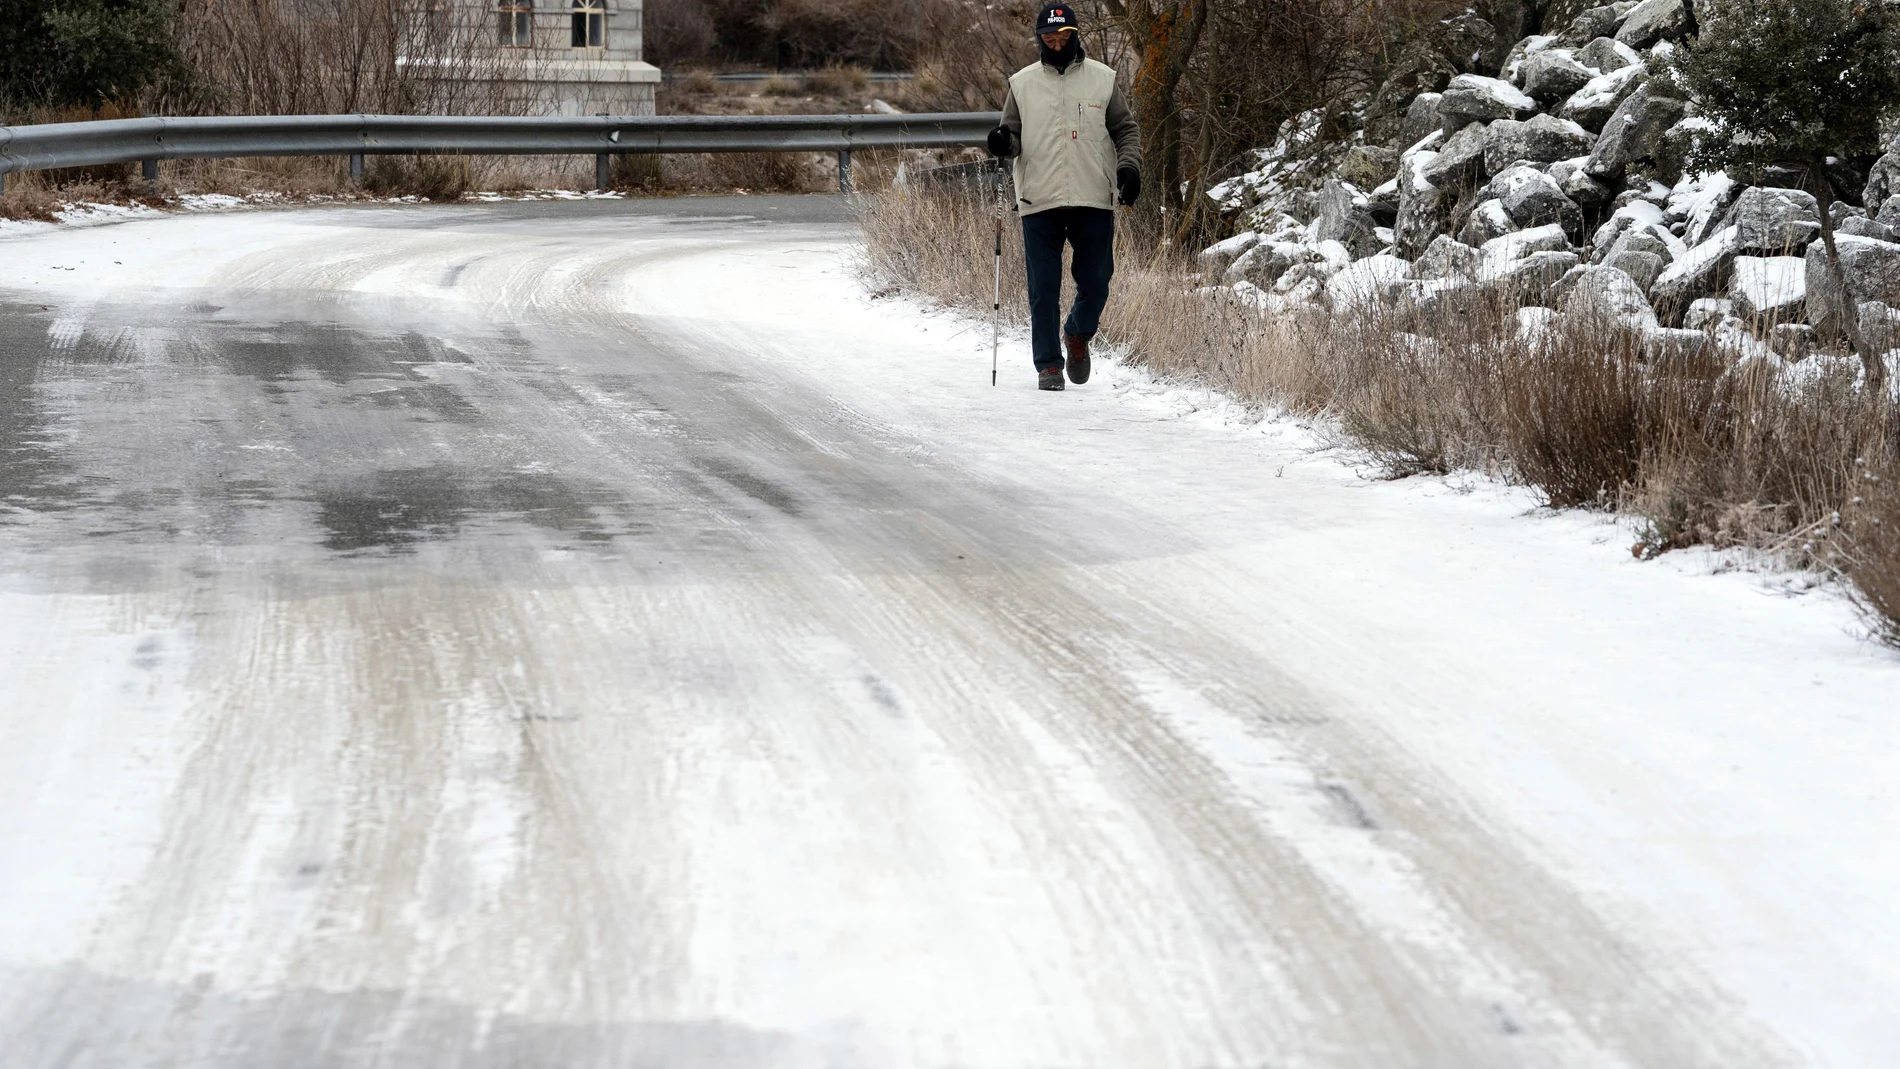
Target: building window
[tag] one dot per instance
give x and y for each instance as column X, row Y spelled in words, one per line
column 517, row 23
column 590, row 24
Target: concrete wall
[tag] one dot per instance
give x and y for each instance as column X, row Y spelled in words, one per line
column 555, row 78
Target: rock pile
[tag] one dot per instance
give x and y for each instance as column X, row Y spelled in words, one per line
column 1551, row 175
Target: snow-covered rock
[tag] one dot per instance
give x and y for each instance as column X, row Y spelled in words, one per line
column 1888, row 214
column 1883, row 179
column 1860, row 226
column 1344, row 218
column 1529, row 279
column 1365, row 282
column 1562, row 170
column 1626, row 136
column 1306, row 291
column 1459, row 160
column 1430, row 143
column 1606, row 55
column 1267, row 261
column 1603, row 295
column 1488, row 220
column 1539, row 139
column 1474, row 98
column 1642, row 267
column 1773, row 288
column 1534, row 324
column 1637, row 213
column 1644, row 189
column 1652, row 21
column 1669, row 343
column 1775, row 220
column 1580, row 186
column 1424, row 208
column 1220, row 255
column 1440, row 296
column 1333, row 254
column 1880, row 326
column 1421, row 118
column 1250, row 294
column 1532, row 198
column 1445, row 258
column 1592, row 106
column 1701, row 271
column 1512, row 70
column 1648, row 238
column 1704, row 313
column 1592, row 24
column 1733, row 336
column 1701, row 203
column 1551, row 76
column 1872, row 269
column 1368, row 166
column 1792, row 341
column 1500, row 252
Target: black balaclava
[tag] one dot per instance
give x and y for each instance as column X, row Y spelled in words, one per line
column 1071, row 51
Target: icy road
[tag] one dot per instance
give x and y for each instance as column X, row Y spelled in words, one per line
column 603, row 635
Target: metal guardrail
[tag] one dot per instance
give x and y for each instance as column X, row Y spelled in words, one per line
column 91, row 144
column 746, row 77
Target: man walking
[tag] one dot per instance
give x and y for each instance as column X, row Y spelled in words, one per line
column 1077, row 152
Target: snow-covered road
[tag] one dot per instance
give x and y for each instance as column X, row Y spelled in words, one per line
column 602, row 635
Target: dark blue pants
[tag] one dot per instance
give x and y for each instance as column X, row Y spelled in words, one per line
column 1091, row 231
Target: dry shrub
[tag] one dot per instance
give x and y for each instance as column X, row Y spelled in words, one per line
column 344, row 56
column 1762, row 457
column 288, row 175
column 676, row 33
column 776, row 172
column 838, row 81
column 28, row 197
column 1577, row 415
column 1871, row 550
column 1797, row 460
column 430, row 177
column 640, row 171
column 1412, row 394
column 779, row 85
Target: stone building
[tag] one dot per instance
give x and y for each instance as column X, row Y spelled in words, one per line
column 564, row 57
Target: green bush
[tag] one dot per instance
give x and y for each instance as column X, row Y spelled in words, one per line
column 1794, row 82
column 84, row 53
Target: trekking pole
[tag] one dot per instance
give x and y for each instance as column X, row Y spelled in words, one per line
column 996, row 299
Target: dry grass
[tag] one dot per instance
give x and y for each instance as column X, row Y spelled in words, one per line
column 430, row 177
column 28, row 197
column 1702, row 449
column 838, row 81
column 1870, row 549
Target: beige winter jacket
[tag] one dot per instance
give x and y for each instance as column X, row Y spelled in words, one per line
column 1070, row 131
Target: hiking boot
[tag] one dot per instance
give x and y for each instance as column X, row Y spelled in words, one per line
column 1049, row 378
column 1078, row 347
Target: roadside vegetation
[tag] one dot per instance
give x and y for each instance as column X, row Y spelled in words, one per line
column 1699, row 451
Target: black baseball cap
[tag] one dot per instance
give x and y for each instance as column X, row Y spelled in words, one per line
column 1057, row 16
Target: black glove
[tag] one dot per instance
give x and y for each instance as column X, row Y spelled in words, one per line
column 999, row 142
column 1128, row 184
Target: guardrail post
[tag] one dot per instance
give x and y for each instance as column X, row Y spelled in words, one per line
column 603, row 171
column 150, row 168
column 356, row 169
column 844, row 170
